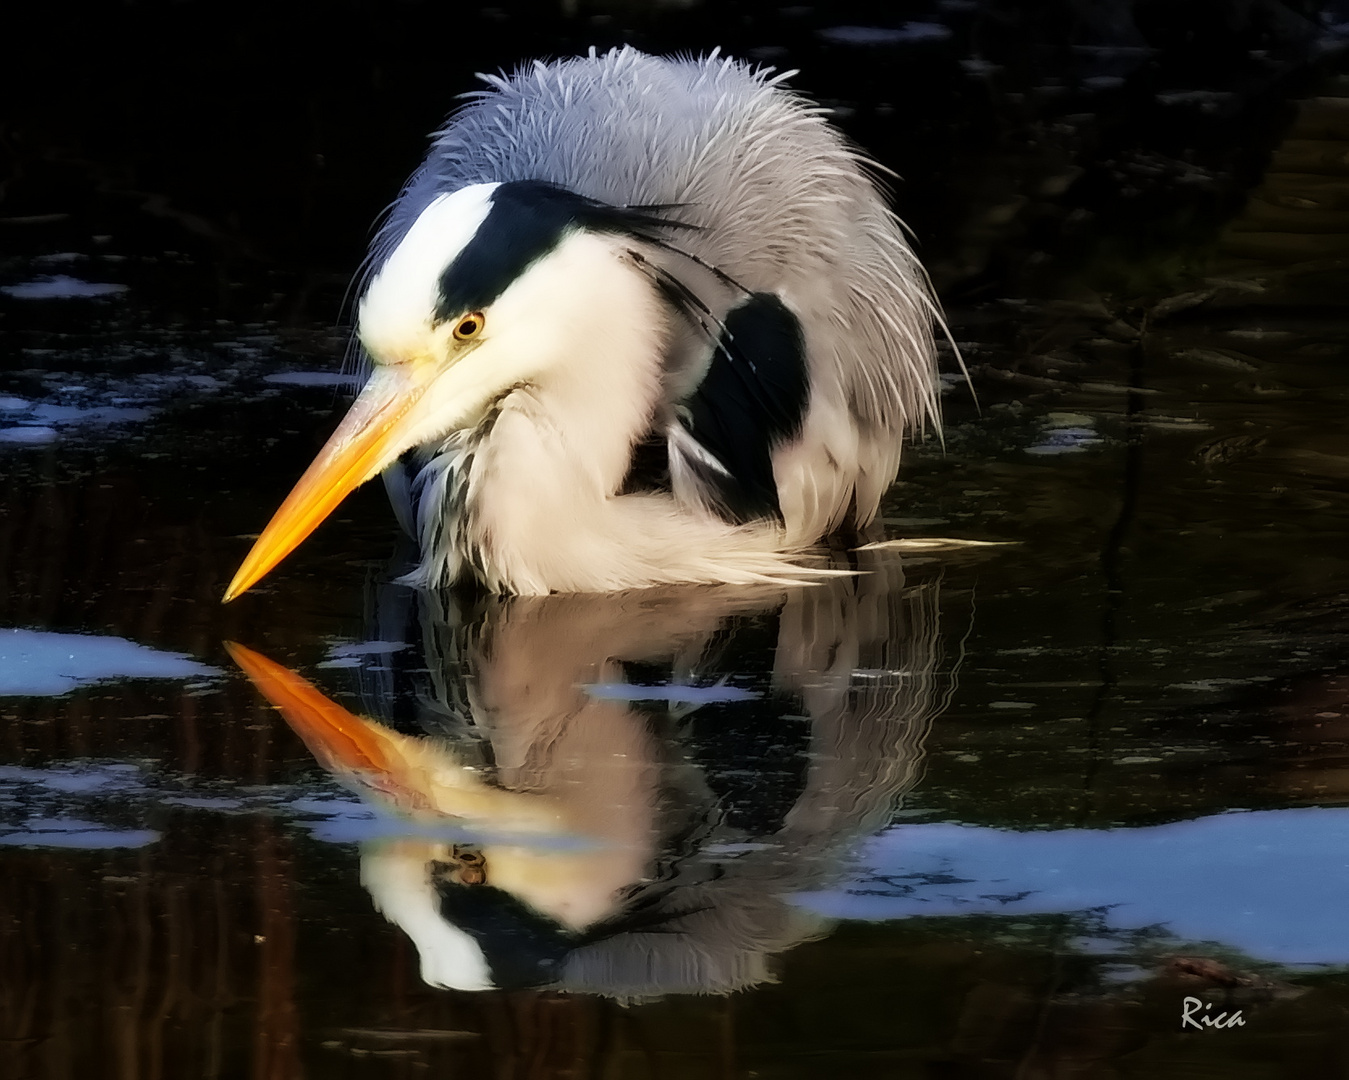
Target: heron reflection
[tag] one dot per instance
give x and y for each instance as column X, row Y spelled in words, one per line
column 621, row 793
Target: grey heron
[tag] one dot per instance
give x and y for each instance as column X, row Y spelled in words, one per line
column 635, row 320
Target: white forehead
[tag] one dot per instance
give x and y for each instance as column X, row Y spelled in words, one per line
column 400, row 302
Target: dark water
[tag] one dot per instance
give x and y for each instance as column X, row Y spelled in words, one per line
column 984, row 810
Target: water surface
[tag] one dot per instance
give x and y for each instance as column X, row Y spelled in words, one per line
column 983, row 811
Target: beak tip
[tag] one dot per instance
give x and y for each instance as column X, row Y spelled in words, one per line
column 245, row 578
column 363, row 445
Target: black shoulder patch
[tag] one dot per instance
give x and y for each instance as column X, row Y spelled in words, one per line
column 527, row 220
column 753, row 399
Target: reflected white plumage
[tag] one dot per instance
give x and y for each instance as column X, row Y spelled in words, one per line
column 535, row 826
column 634, row 321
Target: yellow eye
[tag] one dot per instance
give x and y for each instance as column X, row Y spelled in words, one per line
column 470, row 326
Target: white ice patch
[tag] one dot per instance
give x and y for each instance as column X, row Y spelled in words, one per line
column 73, row 833
column 73, row 414
column 1066, row 433
column 1202, row 98
column 203, row 802
column 28, row 436
column 349, row 656
column 36, row 663
column 81, row 778
column 41, row 422
column 1271, row 883
column 908, row 34
column 60, row 287
column 671, row 692
column 67, row 804
column 368, row 648
column 313, row 378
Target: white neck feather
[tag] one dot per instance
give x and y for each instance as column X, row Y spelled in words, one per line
column 538, row 483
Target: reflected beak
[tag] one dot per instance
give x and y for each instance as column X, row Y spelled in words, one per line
column 341, row 741
column 368, row 441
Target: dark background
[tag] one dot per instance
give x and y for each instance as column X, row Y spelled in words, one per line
column 257, row 142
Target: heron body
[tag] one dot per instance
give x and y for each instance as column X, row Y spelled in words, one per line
column 634, row 321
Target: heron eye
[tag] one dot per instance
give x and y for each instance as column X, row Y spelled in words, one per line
column 470, row 326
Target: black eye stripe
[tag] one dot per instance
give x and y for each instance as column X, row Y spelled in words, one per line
column 527, row 220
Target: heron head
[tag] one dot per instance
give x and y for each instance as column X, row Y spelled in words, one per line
column 493, row 287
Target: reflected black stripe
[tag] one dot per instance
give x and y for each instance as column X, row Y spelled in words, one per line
column 522, row 948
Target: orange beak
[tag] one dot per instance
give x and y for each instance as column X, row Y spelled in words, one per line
column 341, row 741
column 366, row 442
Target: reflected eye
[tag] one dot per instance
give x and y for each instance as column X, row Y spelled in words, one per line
column 470, row 326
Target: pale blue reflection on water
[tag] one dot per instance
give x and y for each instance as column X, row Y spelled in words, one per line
column 36, row 663
column 1271, row 884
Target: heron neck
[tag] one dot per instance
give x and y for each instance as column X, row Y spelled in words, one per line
column 549, row 460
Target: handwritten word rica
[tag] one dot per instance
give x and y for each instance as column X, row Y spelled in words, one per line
column 1195, row 1013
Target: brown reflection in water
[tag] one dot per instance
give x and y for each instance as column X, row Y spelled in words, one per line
column 200, row 958
column 1312, row 722
column 276, row 1046
column 96, row 554
column 220, row 735
column 91, row 551
column 167, row 962
column 541, row 1036
column 532, row 1035
column 1299, row 214
column 129, row 550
